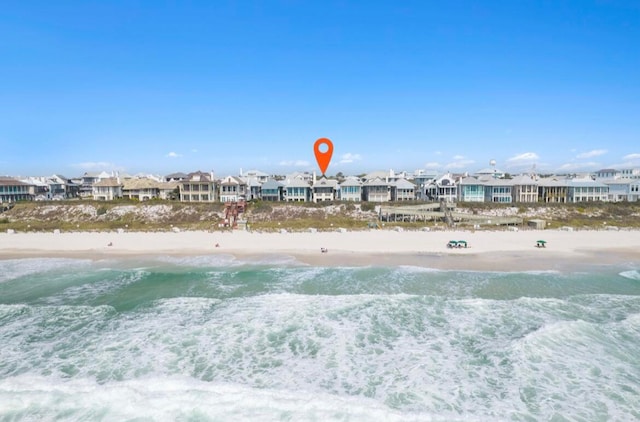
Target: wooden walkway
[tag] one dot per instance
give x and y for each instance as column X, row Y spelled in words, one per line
column 432, row 212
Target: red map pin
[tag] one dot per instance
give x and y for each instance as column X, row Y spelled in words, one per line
column 323, row 157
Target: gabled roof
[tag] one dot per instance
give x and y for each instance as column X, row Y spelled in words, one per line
column 10, row 181
column 251, row 181
column 198, row 176
column 271, row 184
column 379, row 174
column 255, row 173
column 524, row 179
column 297, row 182
column 178, row 176
column 232, row 180
column 376, row 181
column 351, row 181
column 324, row 182
column 108, row 182
column 403, row 184
column 132, row 184
column 470, row 181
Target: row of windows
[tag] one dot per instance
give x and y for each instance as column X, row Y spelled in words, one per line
column 14, row 189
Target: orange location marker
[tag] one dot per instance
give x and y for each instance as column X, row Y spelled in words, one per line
column 323, row 158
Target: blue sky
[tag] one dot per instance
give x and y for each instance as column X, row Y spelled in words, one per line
column 154, row 86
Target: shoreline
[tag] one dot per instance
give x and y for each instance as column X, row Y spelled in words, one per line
column 487, row 251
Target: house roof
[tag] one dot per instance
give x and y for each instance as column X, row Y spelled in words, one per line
column 232, row 180
column 470, row 180
column 351, row 181
column 324, row 182
column 10, row 181
column 108, row 182
column 297, row 182
column 380, row 174
column 178, row 175
column 199, row 176
column 132, row 184
column 524, row 179
column 404, row 184
column 376, row 181
column 271, row 184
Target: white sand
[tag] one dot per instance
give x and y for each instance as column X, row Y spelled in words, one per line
column 491, row 244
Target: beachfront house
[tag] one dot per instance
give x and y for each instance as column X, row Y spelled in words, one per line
column 272, row 191
column 233, row 189
column 142, row 189
column 587, row 190
column 498, row 190
column 324, row 189
column 443, row 188
column 13, row 190
column 107, row 189
column 198, row 187
column 619, row 189
column 403, row 190
column 525, row 188
column 470, row 189
column 260, row 176
column 422, row 178
column 553, row 190
column 376, row 190
column 351, row 189
column 88, row 180
column 297, row 189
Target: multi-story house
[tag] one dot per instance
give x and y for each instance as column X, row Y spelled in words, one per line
column 13, row 190
column 88, row 179
column 297, row 189
column 470, row 189
column 141, row 189
column 587, row 190
column 403, row 190
column 198, row 187
column 553, row 190
column 443, row 188
column 233, row 189
column 107, row 189
column 260, row 176
column 376, row 190
column 272, row 191
column 62, row 187
column 498, row 190
column 351, row 189
column 324, row 190
column 525, row 189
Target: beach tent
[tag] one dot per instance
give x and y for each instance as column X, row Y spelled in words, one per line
column 462, row 243
column 452, row 244
column 541, row 244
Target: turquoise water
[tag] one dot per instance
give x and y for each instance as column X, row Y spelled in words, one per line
column 215, row 338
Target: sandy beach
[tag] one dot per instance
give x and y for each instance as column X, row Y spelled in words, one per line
column 486, row 249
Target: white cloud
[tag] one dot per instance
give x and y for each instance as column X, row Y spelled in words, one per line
column 194, row 150
column 294, row 163
column 458, row 157
column 524, row 158
column 460, row 163
column 432, row 165
column 173, row 155
column 592, row 153
column 350, row 158
column 95, row 165
column 579, row 166
column 631, row 157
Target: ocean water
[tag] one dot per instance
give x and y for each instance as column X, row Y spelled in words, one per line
column 216, row 338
